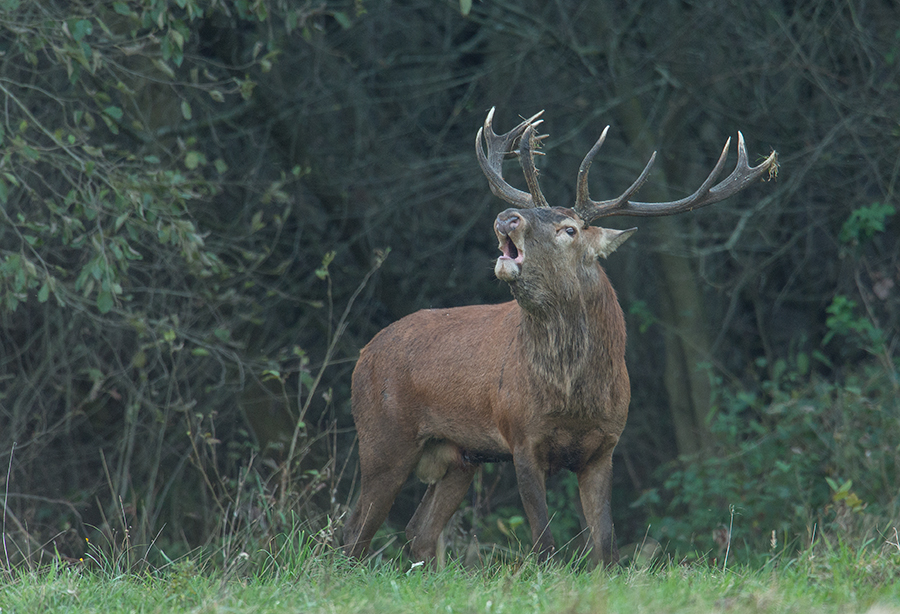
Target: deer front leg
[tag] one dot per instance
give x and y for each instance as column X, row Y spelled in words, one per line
column 531, row 476
column 595, row 487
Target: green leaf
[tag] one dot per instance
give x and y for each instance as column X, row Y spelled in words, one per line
column 193, row 159
column 177, row 38
column 465, row 6
column 864, row 222
column 246, row 86
column 186, row 110
column 307, row 380
column 114, row 112
column 121, row 8
column 256, row 223
column 271, row 374
column 44, row 293
column 113, row 126
column 104, row 301
column 322, row 271
column 80, row 29
column 342, row 19
column 165, row 68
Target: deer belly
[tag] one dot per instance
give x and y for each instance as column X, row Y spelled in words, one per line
column 456, row 436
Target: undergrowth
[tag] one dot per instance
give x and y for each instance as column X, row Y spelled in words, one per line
column 786, row 462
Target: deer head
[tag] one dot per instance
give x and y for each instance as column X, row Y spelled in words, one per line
column 543, row 245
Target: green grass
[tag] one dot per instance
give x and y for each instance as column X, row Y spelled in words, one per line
column 834, row 579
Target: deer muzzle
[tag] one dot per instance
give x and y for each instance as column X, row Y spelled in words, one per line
column 509, row 228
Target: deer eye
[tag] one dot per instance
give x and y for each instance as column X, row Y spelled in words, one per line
column 571, row 231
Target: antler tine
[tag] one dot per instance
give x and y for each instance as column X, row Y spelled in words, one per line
column 582, row 196
column 706, row 194
column 591, row 209
column 736, row 182
column 501, row 145
column 527, row 146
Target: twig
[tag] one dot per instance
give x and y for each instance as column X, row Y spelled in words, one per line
column 338, row 332
column 5, row 500
column 728, row 543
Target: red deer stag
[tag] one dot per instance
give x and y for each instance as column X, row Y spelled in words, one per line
column 540, row 380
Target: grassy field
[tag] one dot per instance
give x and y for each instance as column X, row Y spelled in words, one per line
column 833, row 579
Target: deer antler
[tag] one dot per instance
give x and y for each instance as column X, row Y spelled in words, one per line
column 501, row 145
column 706, row 194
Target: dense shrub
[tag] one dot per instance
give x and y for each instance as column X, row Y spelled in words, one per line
column 787, row 460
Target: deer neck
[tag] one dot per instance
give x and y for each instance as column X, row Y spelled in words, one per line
column 572, row 342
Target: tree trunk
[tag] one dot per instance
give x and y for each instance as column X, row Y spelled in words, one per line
column 686, row 338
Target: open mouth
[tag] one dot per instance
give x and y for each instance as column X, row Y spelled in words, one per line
column 510, row 251
column 509, row 264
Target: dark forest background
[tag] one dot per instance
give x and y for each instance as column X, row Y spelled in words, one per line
column 207, row 208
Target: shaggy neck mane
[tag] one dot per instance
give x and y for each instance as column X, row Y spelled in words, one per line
column 571, row 341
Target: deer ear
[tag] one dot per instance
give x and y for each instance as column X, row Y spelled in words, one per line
column 607, row 240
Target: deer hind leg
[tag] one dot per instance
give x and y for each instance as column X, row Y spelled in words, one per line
column 383, row 473
column 441, row 500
